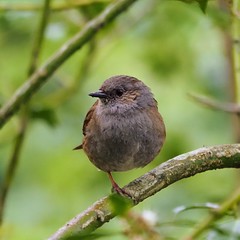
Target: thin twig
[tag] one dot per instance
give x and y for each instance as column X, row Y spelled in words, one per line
column 37, row 46
column 137, row 227
column 235, row 34
column 213, row 104
column 38, row 78
column 215, row 215
column 23, row 121
column 235, row 47
column 55, row 7
column 61, row 95
column 12, row 166
column 183, row 166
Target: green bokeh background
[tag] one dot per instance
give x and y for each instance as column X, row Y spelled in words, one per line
column 171, row 46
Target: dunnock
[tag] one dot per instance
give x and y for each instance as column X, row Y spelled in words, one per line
column 123, row 129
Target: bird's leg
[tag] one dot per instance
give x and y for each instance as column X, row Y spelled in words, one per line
column 114, row 184
column 116, row 187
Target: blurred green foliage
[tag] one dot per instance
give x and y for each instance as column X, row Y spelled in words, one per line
column 119, row 204
column 174, row 48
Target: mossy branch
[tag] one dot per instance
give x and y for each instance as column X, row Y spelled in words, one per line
column 173, row 170
column 40, row 76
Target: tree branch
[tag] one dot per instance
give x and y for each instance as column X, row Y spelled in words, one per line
column 56, row 6
column 12, row 165
column 37, row 44
column 33, row 84
column 213, row 104
column 182, row 166
column 23, row 121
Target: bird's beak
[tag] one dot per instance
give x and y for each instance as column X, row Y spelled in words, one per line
column 99, row 94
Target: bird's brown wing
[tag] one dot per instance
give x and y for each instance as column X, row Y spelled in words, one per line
column 85, row 123
column 88, row 117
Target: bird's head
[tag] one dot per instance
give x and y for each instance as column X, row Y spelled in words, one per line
column 124, row 92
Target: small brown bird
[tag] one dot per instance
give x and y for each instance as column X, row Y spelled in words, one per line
column 123, row 129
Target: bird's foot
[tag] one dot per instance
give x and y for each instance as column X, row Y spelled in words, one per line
column 121, row 191
column 116, row 188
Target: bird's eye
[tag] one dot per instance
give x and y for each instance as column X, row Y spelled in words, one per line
column 119, row 92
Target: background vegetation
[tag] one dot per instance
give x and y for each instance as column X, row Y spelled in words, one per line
column 175, row 49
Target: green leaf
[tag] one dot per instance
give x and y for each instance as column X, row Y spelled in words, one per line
column 203, row 5
column 45, row 114
column 120, row 204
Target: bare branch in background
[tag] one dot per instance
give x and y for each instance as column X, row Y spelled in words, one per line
column 215, row 105
column 23, row 121
column 6, row 6
column 215, row 215
column 38, row 78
